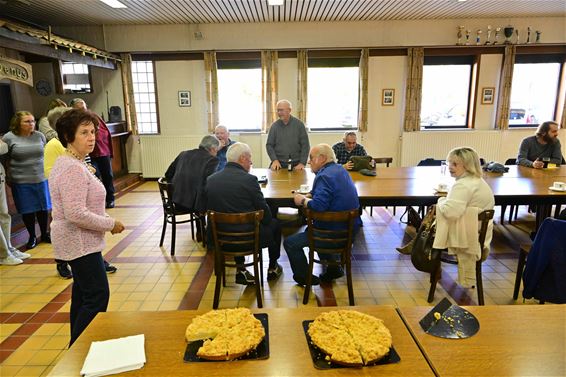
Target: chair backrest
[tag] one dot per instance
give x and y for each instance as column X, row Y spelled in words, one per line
column 484, row 217
column 235, row 232
column 331, row 241
column 166, row 192
column 511, row 161
column 430, row 162
column 383, row 160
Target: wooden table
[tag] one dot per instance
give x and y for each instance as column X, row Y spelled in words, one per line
column 289, row 354
column 515, row 340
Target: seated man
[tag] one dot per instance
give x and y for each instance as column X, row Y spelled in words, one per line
column 544, row 145
column 347, row 148
column 188, row 173
column 223, row 136
column 234, row 190
column 333, row 190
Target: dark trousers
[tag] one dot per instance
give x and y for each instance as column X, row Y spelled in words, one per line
column 90, row 292
column 270, row 237
column 103, row 167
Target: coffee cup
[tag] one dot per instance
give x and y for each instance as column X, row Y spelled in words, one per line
column 304, row 188
column 442, row 187
column 559, row 185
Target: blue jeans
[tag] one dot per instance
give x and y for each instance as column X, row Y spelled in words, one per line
column 294, row 248
column 91, row 292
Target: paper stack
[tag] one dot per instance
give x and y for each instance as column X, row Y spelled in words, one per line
column 114, row 356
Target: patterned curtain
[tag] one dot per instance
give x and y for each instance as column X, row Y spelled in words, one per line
column 414, row 88
column 504, row 97
column 211, row 83
column 563, row 120
column 128, row 93
column 363, row 88
column 269, row 89
column 302, row 58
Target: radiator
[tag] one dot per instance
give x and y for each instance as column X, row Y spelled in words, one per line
column 158, row 152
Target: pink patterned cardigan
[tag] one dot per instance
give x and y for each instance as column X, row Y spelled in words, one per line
column 79, row 217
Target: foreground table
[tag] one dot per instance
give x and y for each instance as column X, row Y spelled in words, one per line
column 514, row 340
column 289, row 354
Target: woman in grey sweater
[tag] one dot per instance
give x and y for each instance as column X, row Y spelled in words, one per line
column 25, row 174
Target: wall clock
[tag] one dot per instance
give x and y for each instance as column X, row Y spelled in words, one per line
column 43, row 87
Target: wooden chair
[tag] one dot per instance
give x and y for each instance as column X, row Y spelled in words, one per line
column 170, row 214
column 230, row 242
column 484, row 217
column 386, row 161
column 514, row 209
column 523, row 252
column 341, row 241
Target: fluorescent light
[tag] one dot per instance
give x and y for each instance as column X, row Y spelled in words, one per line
column 113, row 3
column 275, row 2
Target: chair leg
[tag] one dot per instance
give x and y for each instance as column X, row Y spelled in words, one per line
column 503, row 209
column 350, row 284
column 435, row 276
column 557, row 209
column 163, row 230
column 219, row 272
column 192, row 221
column 479, row 283
column 371, row 211
column 308, row 278
column 173, row 234
column 520, row 267
column 257, row 283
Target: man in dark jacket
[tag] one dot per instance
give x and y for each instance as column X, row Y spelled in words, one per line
column 188, row 173
column 234, row 190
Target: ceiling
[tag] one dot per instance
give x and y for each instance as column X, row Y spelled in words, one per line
column 94, row 12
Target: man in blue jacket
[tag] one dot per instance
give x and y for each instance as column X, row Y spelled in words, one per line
column 333, row 190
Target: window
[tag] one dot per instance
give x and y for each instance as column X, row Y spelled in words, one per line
column 76, row 78
column 333, row 93
column 143, row 79
column 446, row 91
column 534, row 89
column 239, row 94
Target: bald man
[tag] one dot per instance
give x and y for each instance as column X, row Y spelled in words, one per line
column 287, row 140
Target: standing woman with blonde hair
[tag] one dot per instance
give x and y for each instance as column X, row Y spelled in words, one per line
column 44, row 125
column 25, row 174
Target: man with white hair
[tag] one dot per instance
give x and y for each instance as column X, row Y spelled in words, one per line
column 348, row 148
column 234, row 190
column 223, row 136
column 332, row 190
column 287, row 140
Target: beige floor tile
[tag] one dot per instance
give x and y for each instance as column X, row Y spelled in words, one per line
column 9, row 370
column 35, row 342
column 44, row 357
column 19, row 357
column 30, row 371
column 129, row 306
column 58, row 342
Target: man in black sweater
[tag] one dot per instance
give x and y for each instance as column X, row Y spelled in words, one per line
column 234, row 190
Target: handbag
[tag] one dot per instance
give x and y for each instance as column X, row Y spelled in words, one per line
column 413, row 217
column 361, row 162
column 423, row 256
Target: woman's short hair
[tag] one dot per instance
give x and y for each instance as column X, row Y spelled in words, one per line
column 327, row 151
column 469, row 158
column 54, row 114
column 544, row 127
column 75, row 100
column 237, row 150
column 208, row 142
column 15, row 125
column 71, row 120
column 55, row 103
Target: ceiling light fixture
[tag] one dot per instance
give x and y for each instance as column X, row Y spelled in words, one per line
column 461, row 1
column 114, row 3
column 275, row 2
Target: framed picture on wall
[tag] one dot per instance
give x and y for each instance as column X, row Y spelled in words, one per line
column 487, row 95
column 388, row 97
column 184, row 98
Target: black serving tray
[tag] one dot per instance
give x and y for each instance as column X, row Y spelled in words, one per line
column 260, row 353
column 319, row 357
column 454, row 323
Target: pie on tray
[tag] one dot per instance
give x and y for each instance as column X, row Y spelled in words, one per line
column 227, row 333
column 350, row 338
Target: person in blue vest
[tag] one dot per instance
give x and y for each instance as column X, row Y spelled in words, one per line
column 333, row 190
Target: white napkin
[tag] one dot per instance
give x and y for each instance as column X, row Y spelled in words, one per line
column 114, row 356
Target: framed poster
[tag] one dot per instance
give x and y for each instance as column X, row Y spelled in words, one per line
column 388, row 97
column 487, row 95
column 184, row 98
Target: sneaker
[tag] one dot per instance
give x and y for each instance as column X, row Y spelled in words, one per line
column 109, row 268
column 302, row 281
column 10, row 260
column 273, row 273
column 18, row 254
column 64, row 271
column 331, row 274
column 245, row 278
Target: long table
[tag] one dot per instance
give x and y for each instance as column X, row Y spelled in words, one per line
column 514, row 340
column 289, row 354
column 415, row 185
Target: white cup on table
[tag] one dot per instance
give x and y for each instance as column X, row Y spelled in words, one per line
column 304, row 189
column 559, row 185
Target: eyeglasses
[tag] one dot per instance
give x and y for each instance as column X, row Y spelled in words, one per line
column 29, row 121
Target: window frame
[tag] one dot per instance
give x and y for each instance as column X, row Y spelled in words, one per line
column 533, row 58
column 144, row 58
column 334, row 59
column 61, row 79
column 471, row 59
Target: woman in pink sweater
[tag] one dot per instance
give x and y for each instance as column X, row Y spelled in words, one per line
column 79, row 218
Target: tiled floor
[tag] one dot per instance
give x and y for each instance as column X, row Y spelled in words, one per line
column 34, row 301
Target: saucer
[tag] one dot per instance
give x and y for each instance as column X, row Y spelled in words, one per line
column 440, row 191
column 302, row 192
column 556, row 189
